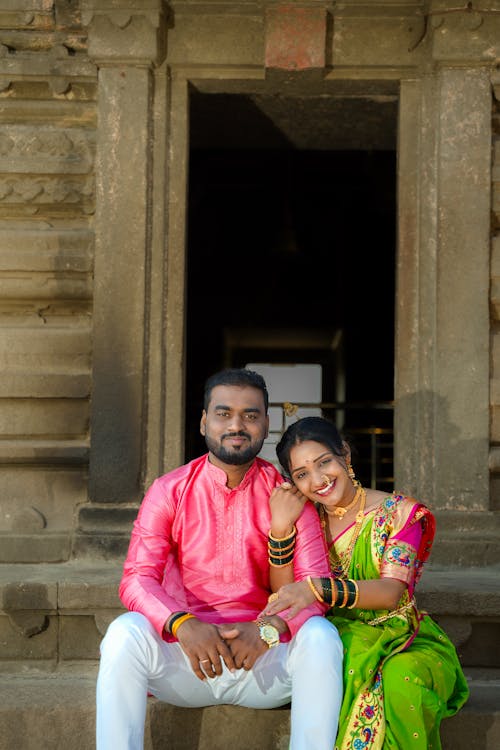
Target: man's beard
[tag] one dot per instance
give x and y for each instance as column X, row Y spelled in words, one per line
column 234, row 456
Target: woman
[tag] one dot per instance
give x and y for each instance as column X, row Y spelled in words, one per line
column 401, row 672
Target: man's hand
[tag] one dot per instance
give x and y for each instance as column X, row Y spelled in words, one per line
column 243, row 638
column 205, row 647
column 245, row 643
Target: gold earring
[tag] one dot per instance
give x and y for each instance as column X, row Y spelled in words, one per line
column 351, row 474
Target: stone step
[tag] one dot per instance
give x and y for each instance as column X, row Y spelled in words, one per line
column 57, row 614
column 56, row 712
column 466, row 539
column 463, row 539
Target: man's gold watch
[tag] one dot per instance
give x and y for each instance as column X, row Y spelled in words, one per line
column 268, row 633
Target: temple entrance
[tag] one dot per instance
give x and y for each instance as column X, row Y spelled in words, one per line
column 291, row 254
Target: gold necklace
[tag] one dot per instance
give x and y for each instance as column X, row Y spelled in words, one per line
column 340, row 566
column 340, row 510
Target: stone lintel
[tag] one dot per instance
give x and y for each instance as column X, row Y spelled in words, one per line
column 126, row 31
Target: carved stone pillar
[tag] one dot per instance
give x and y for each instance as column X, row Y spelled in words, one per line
column 126, row 39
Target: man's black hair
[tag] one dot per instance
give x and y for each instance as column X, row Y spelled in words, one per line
column 240, row 377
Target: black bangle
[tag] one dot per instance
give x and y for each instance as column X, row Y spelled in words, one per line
column 277, row 552
column 326, row 585
column 339, row 594
column 276, row 543
column 272, row 556
column 277, row 561
column 352, row 592
column 173, row 619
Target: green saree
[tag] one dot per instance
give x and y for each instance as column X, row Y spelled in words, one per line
column 401, row 671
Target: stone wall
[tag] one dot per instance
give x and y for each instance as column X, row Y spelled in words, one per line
column 47, row 202
column 94, row 104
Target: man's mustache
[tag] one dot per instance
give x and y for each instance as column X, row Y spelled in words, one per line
column 241, row 433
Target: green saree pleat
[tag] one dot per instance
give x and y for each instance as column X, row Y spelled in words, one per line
column 402, row 676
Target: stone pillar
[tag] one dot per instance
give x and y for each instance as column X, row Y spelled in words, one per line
column 125, row 41
column 442, row 336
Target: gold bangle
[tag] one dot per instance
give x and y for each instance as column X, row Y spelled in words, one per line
column 283, row 538
column 278, row 557
column 346, row 593
column 280, row 550
column 280, row 565
column 351, row 606
column 314, row 590
column 177, row 623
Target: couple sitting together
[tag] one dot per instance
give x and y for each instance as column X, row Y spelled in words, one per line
column 247, row 589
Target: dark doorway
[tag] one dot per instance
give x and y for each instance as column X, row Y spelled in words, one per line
column 281, row 237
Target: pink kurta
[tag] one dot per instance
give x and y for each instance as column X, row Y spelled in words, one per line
column 199, row 546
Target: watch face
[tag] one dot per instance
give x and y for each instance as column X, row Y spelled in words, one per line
column 269, row 634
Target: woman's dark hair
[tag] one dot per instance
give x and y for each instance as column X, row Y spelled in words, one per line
column 240, row 377
column 309, row 428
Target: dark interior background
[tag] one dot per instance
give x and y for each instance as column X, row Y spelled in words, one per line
column 292, row 225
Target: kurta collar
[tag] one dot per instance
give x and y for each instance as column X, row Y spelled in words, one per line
column 220, row 476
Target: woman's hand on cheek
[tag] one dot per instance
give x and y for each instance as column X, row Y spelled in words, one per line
column 287, row 504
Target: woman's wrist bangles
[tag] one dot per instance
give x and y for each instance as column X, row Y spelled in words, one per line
column 315, row 591
column 281, row 550
column 347, row 592
column 176, row 621
column 336, row 592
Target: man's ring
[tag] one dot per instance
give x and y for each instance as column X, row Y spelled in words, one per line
column 286, row 486
column 273, row 597
column 203, row 661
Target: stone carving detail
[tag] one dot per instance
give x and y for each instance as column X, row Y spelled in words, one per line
column 45, row 190
column 29, row 520
column 122, row 13
column 129, row 31
column 29, row 623
column 26, row 605
column 26, row 149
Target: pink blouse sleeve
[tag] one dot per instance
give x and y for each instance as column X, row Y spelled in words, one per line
column 400, row 555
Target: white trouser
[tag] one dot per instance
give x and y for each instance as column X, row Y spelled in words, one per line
column 135, row 660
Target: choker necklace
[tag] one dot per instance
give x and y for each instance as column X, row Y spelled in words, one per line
column 340, row 565
column 340, row 510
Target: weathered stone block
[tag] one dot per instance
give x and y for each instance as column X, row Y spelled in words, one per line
column 54, row 492
column 46, row 250
column 15, row 644
column 32, row 548
column 79, row 638
column 295, row 37
column 91, row 595
column 396, row 41
column 44, row 417
column 465, row 36
column 126, row 30
column 215, row 38
column 495, row 423
column 46, row 150
column 28, row 595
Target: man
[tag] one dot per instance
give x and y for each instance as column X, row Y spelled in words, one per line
column 196, row 578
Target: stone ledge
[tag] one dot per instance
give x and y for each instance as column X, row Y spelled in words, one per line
column 57, row 614
column 60, row 709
